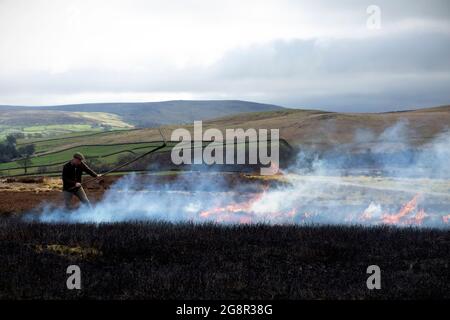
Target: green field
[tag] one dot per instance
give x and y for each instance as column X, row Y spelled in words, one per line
column 103, row 154
column 50, row 153
column 45, row 124
column 74, row 138
column 48, row 131
column 56, row 128
column 102, row 148
column 110, row 153
column 109, row 119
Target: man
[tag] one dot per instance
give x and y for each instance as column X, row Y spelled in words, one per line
column 71, row 176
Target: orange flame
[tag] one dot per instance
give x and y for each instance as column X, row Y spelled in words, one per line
column 245, row 212
column 292, row 212
column 233, row 208
column 404, row 211
column 446, row 219
column 419, row 217
column 275, row 168
column 242, row 212
column 367, row 215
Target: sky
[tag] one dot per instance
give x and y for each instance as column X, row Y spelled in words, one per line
column 348, row 55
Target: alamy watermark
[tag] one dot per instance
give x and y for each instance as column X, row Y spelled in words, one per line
column 373, row 21
column 236, row 146
column 74, row 280
column 374, row 280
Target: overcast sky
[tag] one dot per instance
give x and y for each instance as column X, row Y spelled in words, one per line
column 307, row 54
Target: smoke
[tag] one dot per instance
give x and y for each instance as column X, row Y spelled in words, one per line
column 384, row 178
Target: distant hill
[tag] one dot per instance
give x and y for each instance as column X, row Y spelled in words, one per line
column 299, row 127
column 147, row 114
column 313, row 127
column 320, row 129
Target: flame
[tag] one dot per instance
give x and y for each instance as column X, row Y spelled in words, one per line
column 233, row 208
column 249, row 211
column 243, row 212
column 409, row 214
column 242, row 207
column 273, row 171
column 404, row 211
column 292, row 212
column 419, row 217
column 275, row 168
column 446, row 219
column 367, row 215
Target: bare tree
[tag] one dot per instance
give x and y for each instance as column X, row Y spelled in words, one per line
column 25, row 163
column 26, row 152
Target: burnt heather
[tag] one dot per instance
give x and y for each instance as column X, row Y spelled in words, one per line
column 187, row 261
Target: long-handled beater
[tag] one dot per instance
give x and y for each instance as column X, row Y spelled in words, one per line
column 128, row 162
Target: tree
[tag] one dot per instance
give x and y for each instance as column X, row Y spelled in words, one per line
column 8, row 152
column 11, row 140
column 18, row 135
column 25, row 163
column 26, row 152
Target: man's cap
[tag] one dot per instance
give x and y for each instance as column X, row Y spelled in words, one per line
column 79, row 156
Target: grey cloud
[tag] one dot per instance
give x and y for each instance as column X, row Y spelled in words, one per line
column 398, row 71
column 386, row 72
column 401, row 53
column 392, row 11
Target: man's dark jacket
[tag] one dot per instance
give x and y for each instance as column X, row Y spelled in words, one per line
column 71, row 174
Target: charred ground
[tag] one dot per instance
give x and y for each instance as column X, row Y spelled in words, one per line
column 185, row 261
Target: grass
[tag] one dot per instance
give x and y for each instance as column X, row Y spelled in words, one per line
column 89, row 151
column 47, row 131
column 57, row 128
column 186, row 261
column 77, row 138
column 110, row 119
column 106, row 155
column 45, row 123
column 25, row 141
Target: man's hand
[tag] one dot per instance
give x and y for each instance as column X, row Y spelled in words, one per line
column 77, row 185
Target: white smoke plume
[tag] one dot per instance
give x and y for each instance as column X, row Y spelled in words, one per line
column 393, row 183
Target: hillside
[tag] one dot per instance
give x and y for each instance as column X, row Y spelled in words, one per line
column 46, row 123
column 318, row 127
column 400, row 135
column 138, row 114
column 305, row 127
column 414, row 127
